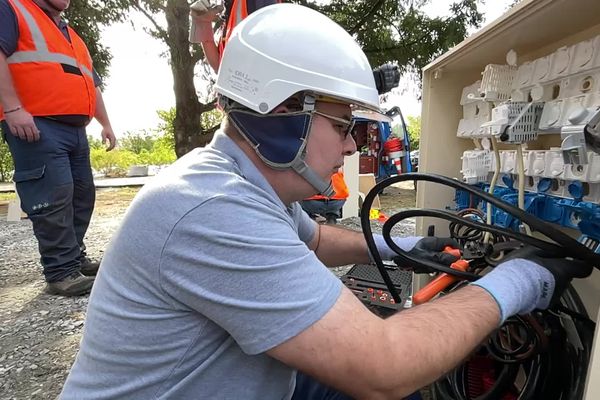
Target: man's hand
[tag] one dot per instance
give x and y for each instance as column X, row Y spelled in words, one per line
column 428, row 248
column 108, row 138
column 530, row 280
column 432, row 249
column 205, row 10
column 562, row 269
column 203, row 14
column 22, row 125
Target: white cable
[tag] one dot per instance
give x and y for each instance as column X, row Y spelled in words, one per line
column 521, row 171
column 497, row 168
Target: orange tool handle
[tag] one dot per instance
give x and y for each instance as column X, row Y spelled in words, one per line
column 438, row 284
column 453, row 251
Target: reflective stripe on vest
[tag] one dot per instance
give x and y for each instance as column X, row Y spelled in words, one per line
column 41, row 53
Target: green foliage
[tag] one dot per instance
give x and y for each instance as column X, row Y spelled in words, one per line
column 136, row 142
column 94, row 143
column 162, row 153
column 413, row 127
column 136, row 148
column 414, row 131
column 211, row 118
column 112, row 163
column 166, row 128
column 6, row 162
column 398, row 31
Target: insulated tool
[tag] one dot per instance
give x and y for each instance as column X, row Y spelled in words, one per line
column 441, row 282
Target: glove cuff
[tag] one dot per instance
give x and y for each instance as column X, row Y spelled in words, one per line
column 405, row 243
column 519, row 286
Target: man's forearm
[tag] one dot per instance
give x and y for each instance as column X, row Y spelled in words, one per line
column 340, row 246
column 100, row 114
column 211, row 53
column 8, row 96
column 429, row 340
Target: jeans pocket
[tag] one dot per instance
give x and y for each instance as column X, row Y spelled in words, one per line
column 30, row 186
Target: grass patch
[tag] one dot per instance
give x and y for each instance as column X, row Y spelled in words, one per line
column 7, row 196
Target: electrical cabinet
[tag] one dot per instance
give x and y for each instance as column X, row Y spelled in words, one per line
column 557, row 47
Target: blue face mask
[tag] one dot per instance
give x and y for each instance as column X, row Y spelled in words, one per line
column 278, row 139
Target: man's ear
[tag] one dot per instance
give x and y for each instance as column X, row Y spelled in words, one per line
column 293, row 104
column 281, row 109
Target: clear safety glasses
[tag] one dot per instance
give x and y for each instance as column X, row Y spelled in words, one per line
column 344, row 126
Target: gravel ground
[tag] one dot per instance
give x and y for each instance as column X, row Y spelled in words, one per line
column 40, row 333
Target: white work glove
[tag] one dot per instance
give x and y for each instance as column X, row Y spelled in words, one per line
column 203, row 13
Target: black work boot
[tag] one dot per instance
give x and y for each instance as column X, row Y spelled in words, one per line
column 88, row 267
column 75, row 284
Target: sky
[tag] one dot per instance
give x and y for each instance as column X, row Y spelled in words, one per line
column 140, row 81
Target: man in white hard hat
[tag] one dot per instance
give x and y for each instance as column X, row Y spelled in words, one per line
column 216, row 285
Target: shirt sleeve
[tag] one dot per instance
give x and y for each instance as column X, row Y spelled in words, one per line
column 247, row 271
column 306, row 226
column 97, row 79
column 9, row 29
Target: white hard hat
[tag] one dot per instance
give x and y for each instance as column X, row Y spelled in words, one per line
column 284, row 49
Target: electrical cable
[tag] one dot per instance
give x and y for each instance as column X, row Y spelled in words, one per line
column 497, row 168
column 521, row 187
column 550, row 363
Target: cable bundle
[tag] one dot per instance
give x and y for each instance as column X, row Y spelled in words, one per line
column 543, row 355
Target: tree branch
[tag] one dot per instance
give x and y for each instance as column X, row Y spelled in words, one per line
column 160, row 30
column 208, row 106
column 366, row 17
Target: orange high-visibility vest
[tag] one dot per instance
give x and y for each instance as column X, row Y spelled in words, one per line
column 339, row 186
column 51, row 76
column 239, row 11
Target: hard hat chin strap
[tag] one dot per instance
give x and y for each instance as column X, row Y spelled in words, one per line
column 325, row 188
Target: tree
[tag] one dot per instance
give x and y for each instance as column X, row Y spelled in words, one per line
column 183, row 57
column 87, row 18
column 389, row 31
column 399, row 31
column 414, row 131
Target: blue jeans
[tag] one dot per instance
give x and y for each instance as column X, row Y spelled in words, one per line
column 53, row 177
column 325, row 208
column 307, row 388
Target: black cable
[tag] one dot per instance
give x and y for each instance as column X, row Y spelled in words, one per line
column 554, row 369
column 570, row 247
column 550, row 248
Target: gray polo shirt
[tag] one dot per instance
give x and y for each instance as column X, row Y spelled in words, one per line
column 208, row 270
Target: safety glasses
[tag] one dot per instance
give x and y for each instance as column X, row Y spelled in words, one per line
column 344, row 126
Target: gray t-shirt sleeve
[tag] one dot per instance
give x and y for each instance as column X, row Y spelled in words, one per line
column 240, row 262
column 306, row 226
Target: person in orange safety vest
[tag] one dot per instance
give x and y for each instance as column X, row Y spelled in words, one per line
column 49, row 92
column 328, row 207
column 205, row 12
